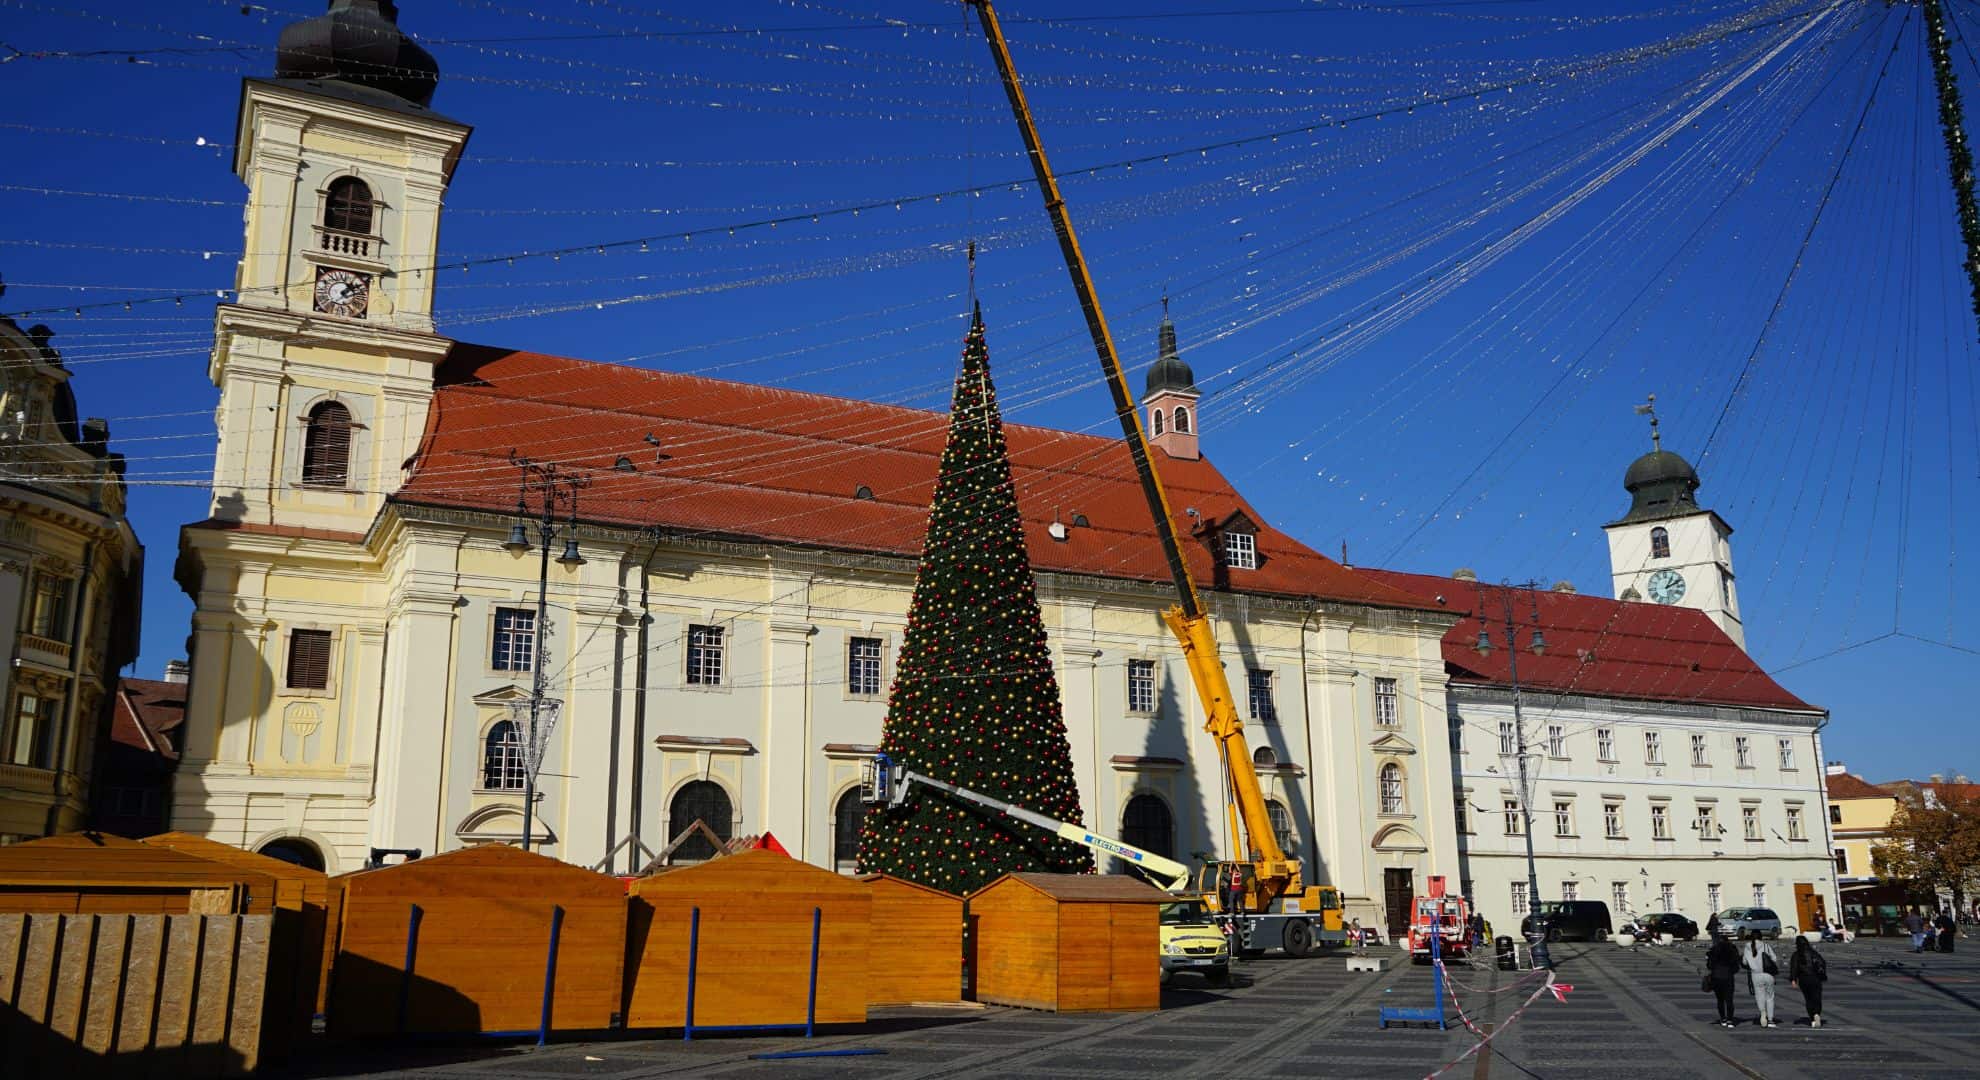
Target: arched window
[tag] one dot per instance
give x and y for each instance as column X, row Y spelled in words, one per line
column 1391, row 785
column 502, row 760
column 1282, row 826
column 1660, row 543
column 1182, row 420
column 706, row 802
column 1147, row 824
column 1265, row 758
column 847, row 817
column 1158, row 421
column 347, row 206
column 327, row 445
column 292, row 850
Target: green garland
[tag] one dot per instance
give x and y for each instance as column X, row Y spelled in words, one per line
column 1959, row 156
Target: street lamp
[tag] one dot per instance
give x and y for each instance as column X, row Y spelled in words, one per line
column 1541, row 956
column 553, row 486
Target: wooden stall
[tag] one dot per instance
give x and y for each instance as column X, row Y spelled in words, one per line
column 1068, row 942
column 915, row 953
column 92, row 873
column 488, row 940
column 302, row 956
column 750, row 925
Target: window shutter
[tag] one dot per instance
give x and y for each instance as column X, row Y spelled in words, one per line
column 309, row 659
column 327, row 445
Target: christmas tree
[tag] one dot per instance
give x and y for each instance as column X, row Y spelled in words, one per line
column 975, row 702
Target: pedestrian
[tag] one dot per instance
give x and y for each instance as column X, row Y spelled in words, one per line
column 1914, row 924
column 1761, row 967
column 1355, row 936
column 1946, row 930
column 1712, row 927
column 1721, row 964
column 1807, row 971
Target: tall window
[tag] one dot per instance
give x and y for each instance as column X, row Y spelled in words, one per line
column 1556, row 741
column 863, row 666
column 1240, row 549
column 1457, row 735
column 1842, row 861
column 1787, row 753
column 1158, row 421
column 847, row 817
column 1141, row 685
column 1391, row 778
column 1519, row 898
column 327, row 445
column 1749, row 820
column 704, row 801
column 1388, row 711
column 704, row 656
column 32, row 740
column 1707, row 822
column 1570, row 890
column 1794, row 823
column 1260, row 684
column 309, row 660
column 1508, row 744
column 1653, row 748
column 49, row 614
column 347, row 206
column 1563, row 818
column 1759, row 894
column 1282, row 825
column 1147, row 824
column 1698, row 750
column 1660, row 543
column 502, row 758
column 1463, row 806
column 1712, row 896
column 515, row 640
column 1742, row 751
column 1515, row 822
column 1619, row 893
column 1835, row 814
column 1612, row 820
column 1667, row 895
column 1182, row 420
column 1605, row 743
column 1660, row 821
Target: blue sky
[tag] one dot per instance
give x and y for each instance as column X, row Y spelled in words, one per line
column 1422, row 323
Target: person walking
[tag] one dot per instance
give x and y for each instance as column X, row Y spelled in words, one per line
column 1946, row 930
column 1914, row 924
column 1807, row 971
column 1712, row 926
column 1761, row 967
column 1721, row 964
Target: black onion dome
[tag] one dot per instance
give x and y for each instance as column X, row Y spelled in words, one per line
column 1169, row 372
column 1661, row 484
column 359, row 41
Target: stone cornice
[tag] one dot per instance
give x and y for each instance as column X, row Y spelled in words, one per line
column 1634, row 708
column 309, row 329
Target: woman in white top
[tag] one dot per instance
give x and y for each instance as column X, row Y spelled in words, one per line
column 1761, row 967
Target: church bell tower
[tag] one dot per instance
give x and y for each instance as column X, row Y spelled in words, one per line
column 1170, row 396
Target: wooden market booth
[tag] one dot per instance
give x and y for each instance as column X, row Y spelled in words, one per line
column 1068, row 942
column 487, row 940
column 770, row 942
column 98, row 874
column 916, row 948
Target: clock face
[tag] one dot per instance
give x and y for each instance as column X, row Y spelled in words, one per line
column 1667, row 586
column 342, row 292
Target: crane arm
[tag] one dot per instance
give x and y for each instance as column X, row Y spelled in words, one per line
column 1274, row 872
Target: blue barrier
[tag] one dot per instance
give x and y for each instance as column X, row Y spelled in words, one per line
column 810, row 1025
column 1425, row 1016
column 542, row 1031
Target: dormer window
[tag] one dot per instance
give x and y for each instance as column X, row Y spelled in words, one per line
column 1182, row 420
column 327, row 446
column 1660, row 543
column 347, row 206
column 1240, row 551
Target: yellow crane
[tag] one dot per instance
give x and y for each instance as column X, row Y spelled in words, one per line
column 1276, row 907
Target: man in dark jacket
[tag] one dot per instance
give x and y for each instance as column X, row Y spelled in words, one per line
column 1946, row 930
column 1721, row 966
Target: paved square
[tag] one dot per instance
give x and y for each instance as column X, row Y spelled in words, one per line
column 1633, row 1013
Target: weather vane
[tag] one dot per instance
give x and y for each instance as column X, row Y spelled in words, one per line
column 1650, row 410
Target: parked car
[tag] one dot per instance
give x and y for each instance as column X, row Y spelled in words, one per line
column 1750, row 922
column 1571, row 920
column 1191, row 942
column 1670, row 922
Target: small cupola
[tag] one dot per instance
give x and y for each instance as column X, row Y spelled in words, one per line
column 1171, row 396
column 359, row 43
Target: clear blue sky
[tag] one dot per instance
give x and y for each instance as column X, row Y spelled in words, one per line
column 1422, row 330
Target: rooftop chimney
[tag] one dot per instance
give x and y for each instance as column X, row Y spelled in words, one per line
column 1836, row 768
column 1564, row 587
column 1465, row 573
column 1937, row 778
column 177, row 671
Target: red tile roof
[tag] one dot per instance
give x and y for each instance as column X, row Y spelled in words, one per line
column 147, row 716
column 1599, row 646
column 760, row 463
column 1852, row 786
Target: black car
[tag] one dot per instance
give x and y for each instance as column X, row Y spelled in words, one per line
column 1572, row 920
column 1670, row 922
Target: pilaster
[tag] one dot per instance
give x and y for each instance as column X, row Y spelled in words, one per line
column 418, row 685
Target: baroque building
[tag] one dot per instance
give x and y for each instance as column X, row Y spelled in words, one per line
column 70, row 576
column 743, row 559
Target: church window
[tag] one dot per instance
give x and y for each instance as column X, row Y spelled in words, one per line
column 502, row 760
column 1388, row 711
column 309, row 660
column 848, row 820
column 347, row 206
column 1391, row 781
column 1182, row 420
column 515, row 639
column 863, row 663
column 1660, row 543
column 1141, row 686
column 1158, row 421
column 704, row 656
column 1259, row 683
column 1147, row 824
column 327, row 445
column 1282, row 826
column 706, row 802
column 1241, row 551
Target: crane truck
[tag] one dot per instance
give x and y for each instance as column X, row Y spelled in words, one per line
column 1262, row 890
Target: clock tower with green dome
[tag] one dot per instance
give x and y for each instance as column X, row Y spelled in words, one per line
column 1667, row 549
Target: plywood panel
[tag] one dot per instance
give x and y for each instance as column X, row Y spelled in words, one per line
column 1085, row 956
column 1017, row 954
column 1134, row 982
column 91, row 872
column 916, row 945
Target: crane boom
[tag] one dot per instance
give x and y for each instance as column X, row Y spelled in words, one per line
column 1273, row 872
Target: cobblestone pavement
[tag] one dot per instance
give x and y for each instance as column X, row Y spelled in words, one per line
column 1632, row 1013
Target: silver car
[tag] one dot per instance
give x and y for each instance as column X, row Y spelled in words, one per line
column 1750, row 922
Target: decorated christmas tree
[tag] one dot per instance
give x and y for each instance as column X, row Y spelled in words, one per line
column 975, row 701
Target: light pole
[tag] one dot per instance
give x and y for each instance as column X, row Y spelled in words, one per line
column 1541, row 956
column 553, row 486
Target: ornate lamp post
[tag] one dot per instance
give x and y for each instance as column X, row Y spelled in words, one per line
column 1541, row 955
column 553, row 486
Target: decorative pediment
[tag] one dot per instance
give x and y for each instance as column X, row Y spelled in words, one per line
column 1398, row 838
column 1392, row 743
column 501, row 696
column 501, row 824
